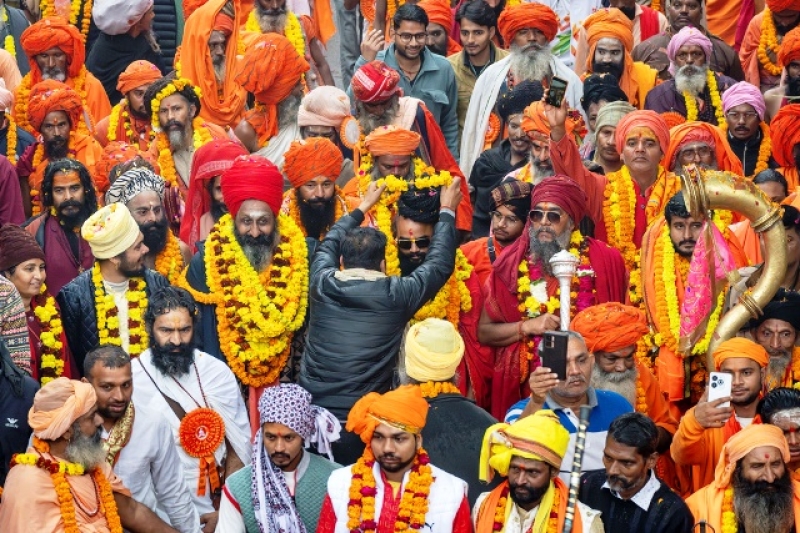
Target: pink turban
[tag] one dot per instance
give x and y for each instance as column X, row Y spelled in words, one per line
column 58, row 405
column 324, row 106
column 645, row 119
column 744, row 93
column 687, row 36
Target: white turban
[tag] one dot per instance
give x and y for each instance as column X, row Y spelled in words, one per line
column 115, row 17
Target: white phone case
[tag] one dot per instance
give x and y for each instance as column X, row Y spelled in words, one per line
column 719, row 386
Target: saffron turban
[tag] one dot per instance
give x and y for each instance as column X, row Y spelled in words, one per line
column 610, row 326
column 433, row 350
column 439, row 12
column 785, row 306
column 391, row 140
column 609, row 23
column 785, row 132
column 776, row 6
column 6, row 97
column 611, row 113
column 252, row 178
column 137, row 74
column 743, row 442
column 54, row 32
column 312, row 158
column 687, row 36
column 744, row 93
column 223, row 23
column 539, row 437
column 696, row 131
column 115, row 17
column 116, row 153
column 375, row 82
column 51, row 95
column 527, row 15
column 17, row 246
column 403, row 408
column 740, row 347
column 110, row 231
column 324, row 106
column 58, row 404
column 190, row 6
column 642, row 118
column 134, row 182
column 563, row 192
column 790, row 48
column 515, row 195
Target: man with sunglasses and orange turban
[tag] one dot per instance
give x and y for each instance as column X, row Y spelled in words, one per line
column 764, row 69
column 393, row 487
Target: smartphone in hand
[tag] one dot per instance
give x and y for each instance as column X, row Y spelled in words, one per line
column 556, row 92
column 719, row 386
column 554, row 352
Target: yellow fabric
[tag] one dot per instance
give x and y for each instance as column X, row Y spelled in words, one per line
column 433, row 350
column 58, row 405
column 110, row 231
column 740, row 347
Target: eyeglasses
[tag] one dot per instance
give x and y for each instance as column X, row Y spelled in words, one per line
column 737, row 116
column 407, row 37
column 405, row 243
column 537, row 215
column 498, row 217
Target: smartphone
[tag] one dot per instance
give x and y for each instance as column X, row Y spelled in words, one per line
column 554, row 352
column 719, row 386
column 558, row 89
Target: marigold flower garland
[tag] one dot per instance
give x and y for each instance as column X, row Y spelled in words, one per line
column 500, row 510
column 492, row 131
column 120, row 112
column 257, row 313
column 292, row 209
column 11, row 140
column 729, row 522
column 716, row 101
column 8, row 43
column 51, row 329
column 764, row 151
column 108, row 314
column 768, row 43
column 23, row 94
column 432, row 389
column 169, row 263
column 453, row 298
column 293, row 30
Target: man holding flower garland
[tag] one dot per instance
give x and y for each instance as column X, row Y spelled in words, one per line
column 761, row 43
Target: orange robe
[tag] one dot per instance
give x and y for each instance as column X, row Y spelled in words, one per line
column 722, row 17
column 748, row 53
column 484, row 517
column 749, row 240
column 477, row 254
column 142, row 128
column 83, row 148
column 96, row 98
column 791, row 176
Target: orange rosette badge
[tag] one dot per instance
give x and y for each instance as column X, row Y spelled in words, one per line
column 201, row 432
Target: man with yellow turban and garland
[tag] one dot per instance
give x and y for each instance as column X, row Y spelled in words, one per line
column 142, row 192
column 528, row 453
column 393, row 486
column 63, row 483
column 106, row 304
column 56, row 51
column 760, row 49
column 314, row 202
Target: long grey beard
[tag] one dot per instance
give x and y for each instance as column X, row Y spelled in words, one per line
column 85, row 450
column 777, row 366
column 287, row 111
column 271, row 23
column 177, row 139
column 540, row 173
column 219, row 71
column 545, row 251
column 530, row 63
column 370, row 122
column 623, row 383
column 691, row 79
column 763, row 511
column 152, row 40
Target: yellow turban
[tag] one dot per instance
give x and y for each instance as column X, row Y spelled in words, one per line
column 58, row 405
column 740, row 347
column 110, row 231
column 433, row 350
column 540, row 437
column 745, row 441
column 403, row 408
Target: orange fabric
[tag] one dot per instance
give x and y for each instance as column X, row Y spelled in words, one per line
column 642, row 118
column 792, row 178
column 96, row 100
column 744, row 442
column 485, row 517
column 776, row 6
column 116, row 153
column 324, row 24
column 751, row 245
column 271, row 69
column 453, row 47
column 527, row 15
column 137, row 74
column 748, row 52
column 391, row 140
column 534, row 119
column 84, row 148
column 657, row 406
column 403, row 406
column 790, row 47
column 54, row 32
column 50, row 95
column 57, row 405
column 309, row 159
column 722, row 17
column 477, row 254
column 223, row 107
column 702, row 131
column 223, row 23
column 610, row 326
column 142, row 127
column 190, row 6
column 438, row 12
column 739, row 347
column 785, row 133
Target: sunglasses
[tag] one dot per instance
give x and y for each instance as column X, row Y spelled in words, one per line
column 405, row 244
column 537, row 215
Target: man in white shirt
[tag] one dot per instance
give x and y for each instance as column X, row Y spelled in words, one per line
column 138, row 442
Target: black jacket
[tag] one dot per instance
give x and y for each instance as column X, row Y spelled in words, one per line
column 355, row 327
column 78, row 314
column 111, row 55
column 487, row 173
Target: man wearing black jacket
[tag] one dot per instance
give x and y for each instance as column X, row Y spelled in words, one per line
column 357, row 316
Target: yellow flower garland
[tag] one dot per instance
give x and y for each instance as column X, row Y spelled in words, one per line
column 257, row 313
column 51, row 328
column 769, row 43
column 552, row 518
column 23, row 94
column 291, row 208
column 48, row 9
column 108, row 318
column 729, row 522
column 453, row 298
column 8, row 43
column 120, row 112
column 169, row 263
column 764, row 151
column 11, row 140
column 716, row 101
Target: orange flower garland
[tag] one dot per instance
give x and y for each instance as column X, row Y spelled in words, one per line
column 169, row 263
column 432, row 389
column 11, row 139
column 23, row 94
column 291, row 208
column 768, row 44
column 492, row 131
column 200, row 433
column 641, row 396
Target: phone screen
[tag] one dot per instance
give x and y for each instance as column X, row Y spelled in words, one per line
column 558, row 89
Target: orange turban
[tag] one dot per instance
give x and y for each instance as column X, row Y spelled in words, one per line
column 697, row 131
column 58, row 405
column 223, row 23
column 391, row 140
column 642, row 118
column 403, row 408
column 528, row 15
column 51, row 95
column 608, row 23
column 743, row 442
column 534, row 120
column 610, row 326
column 438, row 12
column 790, row 48
column 785, row 132
column 54, row 32
column 309, row 159
column 776, row 6
column 115, row 153
column 137, row 74
column 740, row 347
column 190, row 6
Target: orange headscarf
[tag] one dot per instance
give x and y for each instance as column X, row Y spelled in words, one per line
column 403, row 408
column 785, row 132
column 58, row 405
column 527, row 15
column 535, row 121
column 642, row 118
column 740, row 347
column 695, row 131
column 610, row 326
column 743, row 442
column 391, row 140
column 309, row 159
column 53, row 32
column 439, row 12
column 115, row 153
column 271, row 69
column 790, row 48
column 137, row 74
column 51, row 95
column 225, row 108
column 612, row 23
column 776, row 6
column 190, row 6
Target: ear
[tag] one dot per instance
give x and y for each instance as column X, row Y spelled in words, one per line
column 383, row 266
column 650, row 463
column 492, row 32
column 419, row 441
column 193, row 110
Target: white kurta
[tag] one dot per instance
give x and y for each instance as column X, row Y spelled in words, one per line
column 520, row 521
column 224, row 397
column 279, row 145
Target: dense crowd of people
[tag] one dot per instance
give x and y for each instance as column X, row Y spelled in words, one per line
column 385, row 265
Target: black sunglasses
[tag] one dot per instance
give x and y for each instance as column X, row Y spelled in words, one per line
column 405, row 244
column 537, row 215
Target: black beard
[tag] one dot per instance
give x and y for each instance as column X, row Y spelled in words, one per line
column 410, row 262
column 761, row 506
column 141, row 115
column 56, row 148
column 316, row 217
column 396, row 467
column 155, row 235
column 436, row 50
column 218, row 209
column 172, row 363
column 75, row 220
column 609, row 68
column 682, row 253
column 530, row 496
column 258, row 250
column 629, row 12
column 793, row 86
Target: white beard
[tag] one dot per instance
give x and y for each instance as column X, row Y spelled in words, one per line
column 623, row 383
column 530, row 63
column 691, row 79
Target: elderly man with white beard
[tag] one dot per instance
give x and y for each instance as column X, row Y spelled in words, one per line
column 695, row 92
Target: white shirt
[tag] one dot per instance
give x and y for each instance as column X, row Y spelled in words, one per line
column 644, row 497
column 118, row 290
